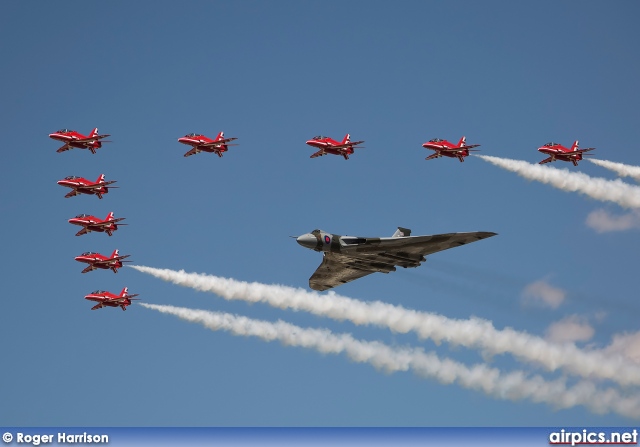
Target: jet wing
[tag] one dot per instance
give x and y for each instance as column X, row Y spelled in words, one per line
column 217, row 143
column 89, row 140
column 580, row 151
column 546, row 160
column 320, row 153
column 109, row 260
column 350, row 144
column 66, row 147
column 191, row 152
column 336, row 270
column 458, row 149
column 431, row 157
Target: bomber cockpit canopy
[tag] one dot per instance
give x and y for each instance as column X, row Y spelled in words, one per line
column 64, row 131
column 315, row 232
column 551, row 144
column 71, row 177
column 436, row 140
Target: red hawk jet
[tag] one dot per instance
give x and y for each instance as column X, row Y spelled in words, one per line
column 447, row 149
column 98, row 261
column 200, row 143
column 93, row 223
column 108, row 299
column 330, row 146
column 72, row 139
column 559, row 152
column 80, row 185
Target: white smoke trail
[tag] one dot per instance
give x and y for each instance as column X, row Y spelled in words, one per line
column 616, row 191
column 472, row 333
column 619, row 168
column 515, row 385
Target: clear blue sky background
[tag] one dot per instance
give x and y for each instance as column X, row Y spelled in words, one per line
column 508, row 75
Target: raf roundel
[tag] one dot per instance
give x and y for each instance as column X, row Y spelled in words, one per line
column 327, row 240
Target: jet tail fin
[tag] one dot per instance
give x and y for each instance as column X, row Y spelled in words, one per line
column 124, row 291
column 100, row 178
column 575, row 146
column 115, row 253
column 109, row 216
column 462, row 141
column 220, row 136
column 346, row 139
column 402, row 232
column 94, row 132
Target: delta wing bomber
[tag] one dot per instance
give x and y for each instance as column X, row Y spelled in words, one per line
column 347, row 258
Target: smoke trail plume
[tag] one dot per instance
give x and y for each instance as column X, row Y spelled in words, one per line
column 619, row 168
column 625, row 195
column 515, row 385
column 472, row 333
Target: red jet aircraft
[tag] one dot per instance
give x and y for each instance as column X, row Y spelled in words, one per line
column 108, row 299
column 559, row 152
column 92, row 223
column 443, row 147
column 200, row 143
column 330, row 146
column 81, row 185
column 98, row 261
column 72, row 139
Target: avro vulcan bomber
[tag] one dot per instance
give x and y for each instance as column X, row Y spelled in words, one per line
column 350, row 257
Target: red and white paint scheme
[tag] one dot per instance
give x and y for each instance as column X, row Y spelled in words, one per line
column 108, row 299
column 200, row 143
column 92, row 223
column 447, row 149
column 557, row 151
column 80, row 185
column 330, row 146
column 98, row 261
column 72, row 139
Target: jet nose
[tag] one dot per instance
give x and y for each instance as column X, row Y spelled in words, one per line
column 307, row 240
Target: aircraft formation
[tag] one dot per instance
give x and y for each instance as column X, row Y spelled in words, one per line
column 345, row 258
column 90, row 223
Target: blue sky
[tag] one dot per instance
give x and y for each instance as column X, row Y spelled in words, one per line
column 508, row 75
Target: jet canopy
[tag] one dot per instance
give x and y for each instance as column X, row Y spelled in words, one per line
column 65, row 131
column 436, row 140
column 87, row 253
column 97, row 292
column 194, row 135
column 319, row 137
column 82, row 215
column 551, row 144
column 71, row 177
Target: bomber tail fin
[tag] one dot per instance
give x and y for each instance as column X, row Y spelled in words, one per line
column 402, row 232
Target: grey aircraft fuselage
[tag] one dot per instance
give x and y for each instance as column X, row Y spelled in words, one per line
column 347, row 258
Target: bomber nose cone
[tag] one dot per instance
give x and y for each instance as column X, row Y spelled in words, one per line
column 307, row 240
